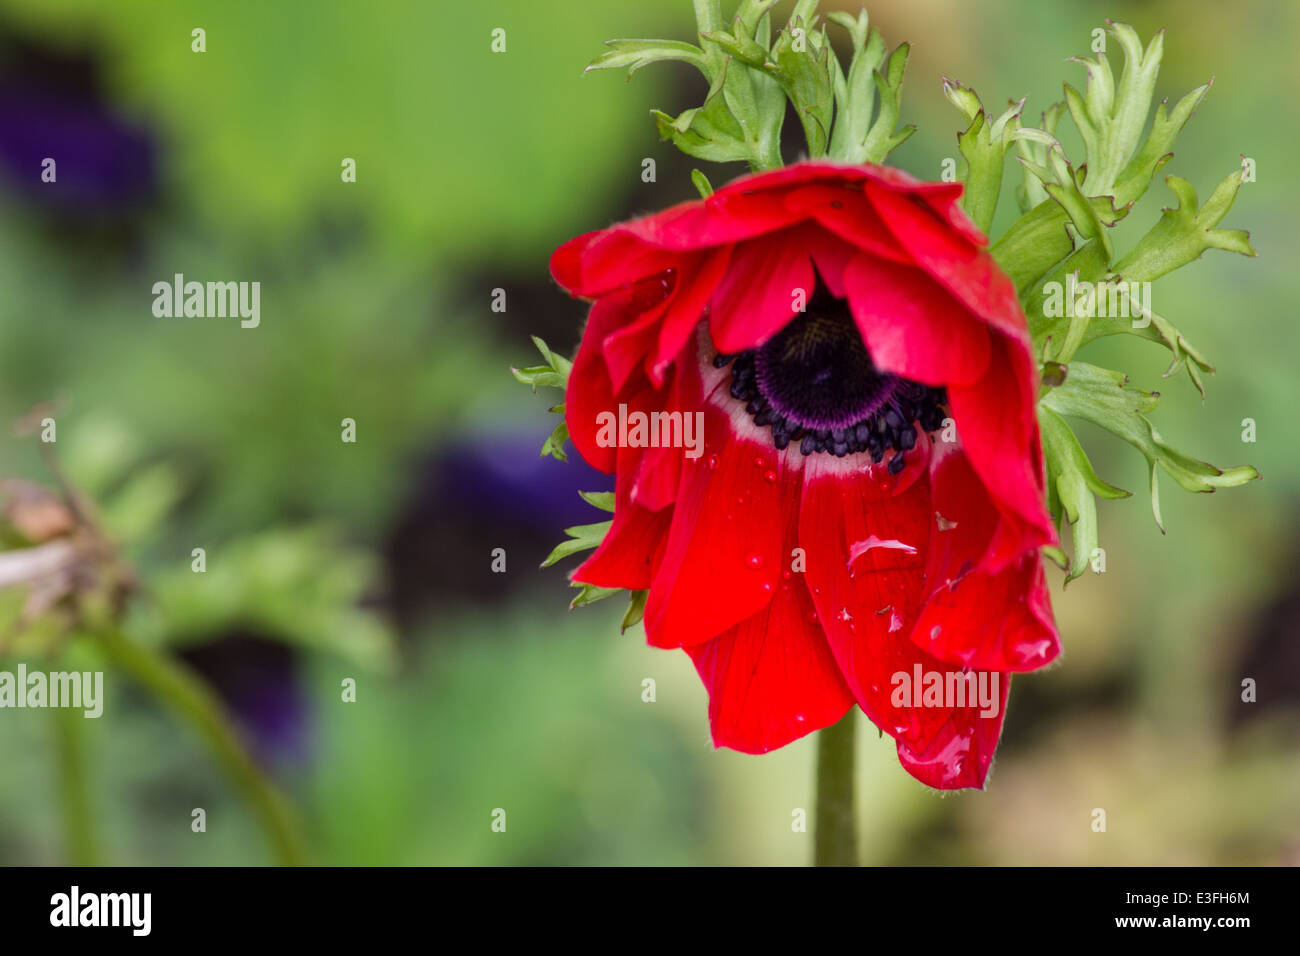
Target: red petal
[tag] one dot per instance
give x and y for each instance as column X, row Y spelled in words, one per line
column 626, row 348
column 731, row 214
column 912, row 326
column 590, row 390
column 998, row 429
column 832, row 257
column 974, row 617
column 866, row 602
column 757, row 295
column 771, row 679
column 628, row 556
column 847, row 213
column 965, row 269
column 699, row 278
column 600, row 262
column 955, row 746
column 659, row 473
column 867, row 607
column 723, row 558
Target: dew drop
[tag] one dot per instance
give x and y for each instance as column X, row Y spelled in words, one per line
column 712, row 462
column 754, row 559
column 770, row 477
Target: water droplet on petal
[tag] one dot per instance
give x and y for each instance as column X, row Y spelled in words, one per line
column 770, row 477
column 712, row 462
column 754, row 559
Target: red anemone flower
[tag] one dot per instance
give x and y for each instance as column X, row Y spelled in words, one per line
column 862, row 517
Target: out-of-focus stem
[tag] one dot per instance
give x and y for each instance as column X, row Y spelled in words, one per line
column 74, row 789
column 836, row 835
column 182, row 692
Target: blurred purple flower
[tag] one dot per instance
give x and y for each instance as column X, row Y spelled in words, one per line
column 480, row 492
column 256, row 677
column 52, row 106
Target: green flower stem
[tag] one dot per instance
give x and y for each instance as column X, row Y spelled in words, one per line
column 74, row 790
column 182, row 692
column 836, row 834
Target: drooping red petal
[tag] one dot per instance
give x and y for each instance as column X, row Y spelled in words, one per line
column 757, row 296
column 954, row 747
column 847, row 213
column 628, row 556
column 976, row 617
column 912, row 326
column 698, row 278
column 998, row 429
column 952, row 259
column 590, row 390
column 723, row 557
column 658, row 474
column 600, row 262
column 731, row 214
column 626, row 347
column 867, row 600
column 831, row 256
column 961, row 630
column 772, row 678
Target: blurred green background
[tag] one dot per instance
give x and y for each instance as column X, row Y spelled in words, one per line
column 372, row 560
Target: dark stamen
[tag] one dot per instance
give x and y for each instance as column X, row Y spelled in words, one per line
column 814, row 384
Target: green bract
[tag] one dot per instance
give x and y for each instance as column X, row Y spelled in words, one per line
column 752, row 77
column 1060, row 253
column 555, row 374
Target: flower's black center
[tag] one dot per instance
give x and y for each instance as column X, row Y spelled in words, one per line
column 814, row 383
